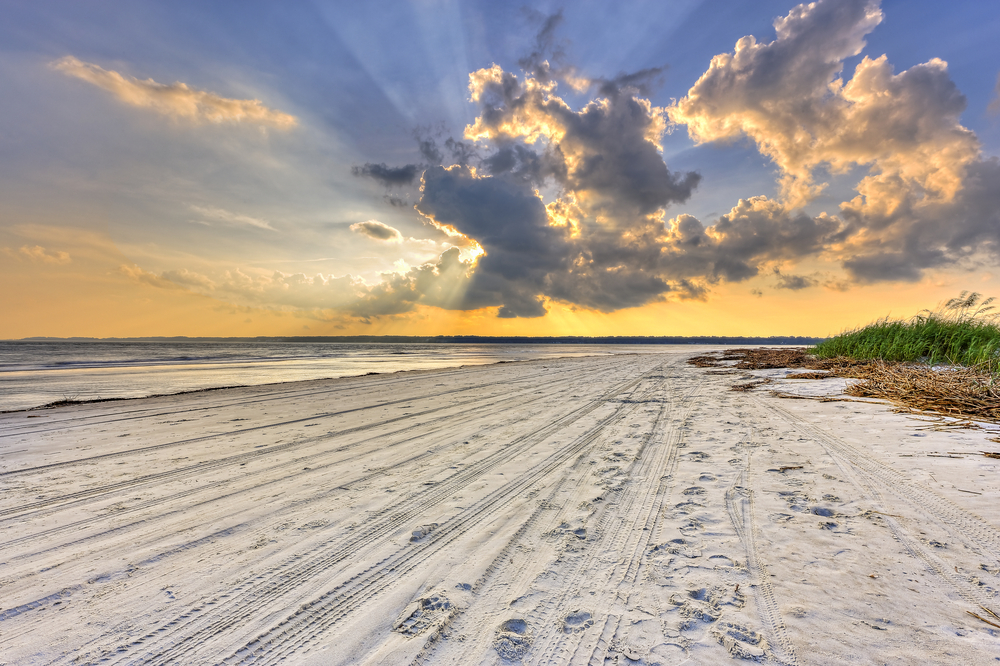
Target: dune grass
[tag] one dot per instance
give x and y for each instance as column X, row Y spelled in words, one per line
column 963, row 331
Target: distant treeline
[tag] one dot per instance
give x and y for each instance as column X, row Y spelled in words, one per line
column 484, row 339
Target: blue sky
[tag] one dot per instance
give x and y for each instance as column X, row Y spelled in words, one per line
column 186, row 203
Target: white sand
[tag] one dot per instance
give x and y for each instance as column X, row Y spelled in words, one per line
column 626, row 509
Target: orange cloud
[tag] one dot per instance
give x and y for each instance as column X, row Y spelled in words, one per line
column 176, row 100
column 39, row 254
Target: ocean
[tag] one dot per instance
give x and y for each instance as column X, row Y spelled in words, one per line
column 39, row 372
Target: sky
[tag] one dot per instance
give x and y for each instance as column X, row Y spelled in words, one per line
column 439, row 167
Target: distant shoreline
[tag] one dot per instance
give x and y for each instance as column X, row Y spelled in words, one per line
column 472, row 339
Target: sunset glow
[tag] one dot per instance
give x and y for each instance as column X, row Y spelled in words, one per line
column 686, row 168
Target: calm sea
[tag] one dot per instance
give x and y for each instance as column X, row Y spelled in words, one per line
column 34, row 373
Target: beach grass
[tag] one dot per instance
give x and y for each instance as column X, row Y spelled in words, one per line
column 945, row 361
column 961, row 332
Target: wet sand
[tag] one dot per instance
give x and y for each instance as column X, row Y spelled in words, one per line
column 626, row 509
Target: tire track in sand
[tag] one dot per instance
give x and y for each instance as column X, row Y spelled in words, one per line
column 258, row 428
column 626, row 527
column 740, row 506
column 248, row 477
column 367, row 384
column 300, row 630
column 270, row 585
column 22, row 511
column 874, row 479
column 476, row 618
column 626, row 531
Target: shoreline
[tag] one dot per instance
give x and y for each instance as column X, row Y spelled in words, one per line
column 116, row 375
column 69, row 403
column 629, row 505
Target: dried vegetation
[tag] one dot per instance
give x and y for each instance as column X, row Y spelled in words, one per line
column 952, row 390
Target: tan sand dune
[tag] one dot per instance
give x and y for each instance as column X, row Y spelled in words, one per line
column 626, row 509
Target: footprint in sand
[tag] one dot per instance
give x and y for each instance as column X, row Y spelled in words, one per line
column 513, row 639
column 721, row 561
column 577, row 621
column 689, row 548
column 422, row 531
column 706, row 604
column 427, row 611
column 691, row 526
column 740, row 641
column 684, row 508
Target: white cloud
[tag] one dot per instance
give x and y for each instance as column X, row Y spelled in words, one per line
column 227, row 217
column 787, row 95
column 928, row 199
column 176, row 100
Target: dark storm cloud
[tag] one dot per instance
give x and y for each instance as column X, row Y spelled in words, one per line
column 793, row 282
column 604, row 150
column 642, row 82
column 523, row 163
column 509, row 221
column 604, row 240
column 547, row 50
column 755, row 231
column 388, row 176
column 460, row 152
column 428, row 146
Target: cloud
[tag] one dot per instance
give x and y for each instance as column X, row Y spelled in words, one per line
column 440, row 283
column 427, row 145
column 378, row 231
column 460, row 151
column 547, row 202
column 756, row 231
column 994, row 106
column 546, row 48
column 388, row 176
column 793, row 282
column 788, row 97
column 141, row 276
column 186, row 278
column 176, row 100
column 928, row 198
column 39, row 254
column 215, row 214
column 603, row 242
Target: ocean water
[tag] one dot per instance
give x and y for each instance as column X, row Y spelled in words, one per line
column 35, row 373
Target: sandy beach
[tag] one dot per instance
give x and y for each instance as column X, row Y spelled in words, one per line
column 601, row 510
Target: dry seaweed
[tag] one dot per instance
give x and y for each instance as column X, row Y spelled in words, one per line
column 953, row 391
column 748, row 386
column 706, row 361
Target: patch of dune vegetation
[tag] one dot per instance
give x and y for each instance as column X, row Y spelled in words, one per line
column 945, row 361
column 961, row 332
